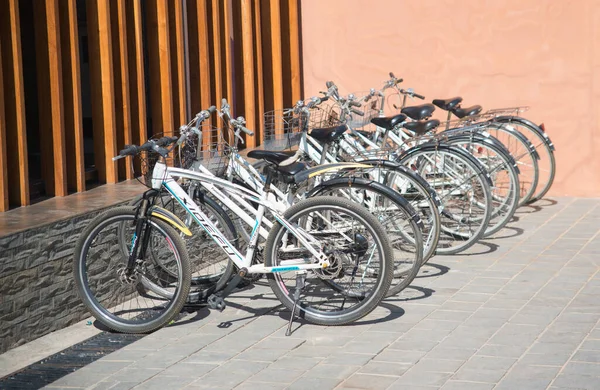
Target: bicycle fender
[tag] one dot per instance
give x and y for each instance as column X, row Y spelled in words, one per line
column 371, row 183
column 393, row 165
column 435, row 146
column 520, row 136
column 527, row 123
column 319, row 169
column 171, row 218
column 492, row 141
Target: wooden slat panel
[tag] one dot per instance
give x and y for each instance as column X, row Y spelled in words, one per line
column 276, row 62
column 101, row 80
column 16, row 134
column 69, row 41
column 248, row 69
column 137, row 85
column 121, row 74
column 258, row 54
column 177, row 63
column 4, row 204
column 161, row 96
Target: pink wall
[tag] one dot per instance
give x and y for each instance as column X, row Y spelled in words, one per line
column 541, row 53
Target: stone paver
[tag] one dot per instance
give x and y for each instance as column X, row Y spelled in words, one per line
column 519, row 310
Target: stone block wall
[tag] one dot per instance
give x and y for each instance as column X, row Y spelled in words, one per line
column 37, row 291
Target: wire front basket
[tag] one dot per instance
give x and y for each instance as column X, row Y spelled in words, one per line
column 211, row 151
column 283, row 128
column 370, row 108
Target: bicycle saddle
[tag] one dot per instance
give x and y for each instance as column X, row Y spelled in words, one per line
column 419, row 112
column 271, row 156
column 328, row 134
column 421, row 127
column 288, row 171
column 447, row 104
column 389, row 122
column 469, row 111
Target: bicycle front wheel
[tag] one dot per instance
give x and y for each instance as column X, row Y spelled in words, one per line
column 127, row 301
column 361, row 261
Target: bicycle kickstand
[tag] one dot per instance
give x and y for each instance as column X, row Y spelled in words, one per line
column 300, row 283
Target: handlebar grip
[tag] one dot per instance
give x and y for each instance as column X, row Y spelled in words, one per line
column 419, row 96
column 399, row 81
column 329, row 84
column 357, row 112
column 212, row 109
column 392, row 75
column 223, row 102
column 324, row 98
column 354, row 104
column 247, row 131
column 164, row 141
column 129, row 150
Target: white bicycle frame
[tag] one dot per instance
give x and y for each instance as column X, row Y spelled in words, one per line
column 163, row 176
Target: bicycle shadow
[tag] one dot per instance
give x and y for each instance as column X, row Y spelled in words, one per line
column 536, row 206
column 411, row 293
column 517, row 231
column 429, row 270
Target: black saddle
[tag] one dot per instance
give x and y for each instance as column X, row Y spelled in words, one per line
column 469, row 111
column 328, row 134
column 422, row 127
column 276, row 158
column 389, row 122
column 419, row 112
column 447, row 104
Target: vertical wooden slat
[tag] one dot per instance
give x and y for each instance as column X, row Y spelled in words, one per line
column 227, row 45
column 160, row 67
column 203, row 43
column 101, row 80
column 4, row 204
column 121, row 74
column 248, row 69
column 137, row 84
column 50, row 95
column 204, row 62
column 177, row 63
column 69, row 40
column 16, row 134
column 296, row 70
column 260, row 103
column 216, row 53
column 276, row 62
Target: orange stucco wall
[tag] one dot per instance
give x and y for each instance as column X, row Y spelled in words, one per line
column 541, row 53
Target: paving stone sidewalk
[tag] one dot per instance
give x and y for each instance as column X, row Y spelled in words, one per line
column 520, row 311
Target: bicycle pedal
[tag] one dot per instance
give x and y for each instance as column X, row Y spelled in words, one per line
column 216, row 302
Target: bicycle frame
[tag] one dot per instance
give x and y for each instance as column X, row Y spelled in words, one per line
column 163, row 176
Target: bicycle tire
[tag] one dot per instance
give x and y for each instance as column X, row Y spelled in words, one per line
column 481, row 187
column 402, row 278
column 202, row 285
column 382, row 281
column 503, row 210
column 523, row 151
column 96, row 305
column 545, row 149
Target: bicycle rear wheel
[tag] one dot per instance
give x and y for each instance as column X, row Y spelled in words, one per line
column 544, row 148
column 396, row 215
column 463, row 187
column 128, row 302
column 505, row 178
column 361, row 261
